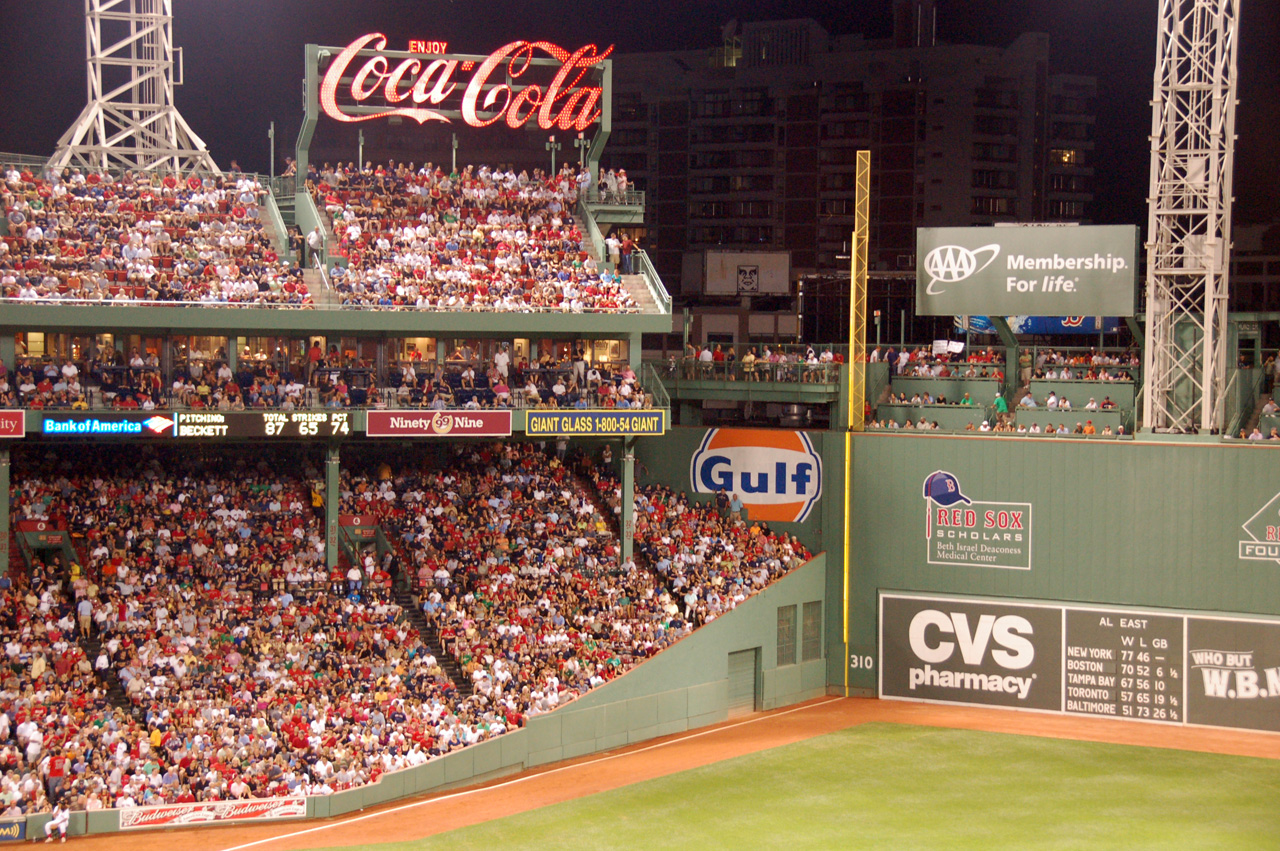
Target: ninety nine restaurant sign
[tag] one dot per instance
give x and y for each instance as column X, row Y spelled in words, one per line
column 439, row 424
column 520, row 82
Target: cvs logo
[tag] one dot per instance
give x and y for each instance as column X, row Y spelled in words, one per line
column 1013, row 651
column 776, row 474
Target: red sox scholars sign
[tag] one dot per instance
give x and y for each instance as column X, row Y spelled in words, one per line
column 963, row 532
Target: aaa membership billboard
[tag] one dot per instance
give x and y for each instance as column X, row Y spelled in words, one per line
column 1027, row 271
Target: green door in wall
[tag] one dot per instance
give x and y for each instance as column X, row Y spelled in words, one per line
column 744, row 682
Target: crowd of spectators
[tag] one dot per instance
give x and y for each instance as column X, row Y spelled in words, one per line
column 98, row 237
column 480, row 240
column 804, row 364
column 249, row 669
column 924, row 362
column 548, row 382
column 708, row 557
column 1002, row 426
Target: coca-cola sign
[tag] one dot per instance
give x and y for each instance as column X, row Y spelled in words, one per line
column 501, row 87
column 174, row 815
column 439, row 424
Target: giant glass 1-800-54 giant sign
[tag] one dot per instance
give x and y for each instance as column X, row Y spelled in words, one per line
column 1027, row 271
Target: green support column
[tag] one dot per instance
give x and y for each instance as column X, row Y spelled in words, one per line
column 8, row 350
column 4, row 509
column 690, row 413
column 840, row 407
column 1012, row 381
column 233, row 354
column 628, row 524
column 331, row 505
column 634, row 353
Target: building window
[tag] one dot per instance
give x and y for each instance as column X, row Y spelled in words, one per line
column 1066, row 156
column 786, row 635
column 990, row 178
column 986, row 205
column 1066, row 209
column 995, row 152
column 811, row 632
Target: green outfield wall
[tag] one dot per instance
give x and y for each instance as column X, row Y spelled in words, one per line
column 1177, row 526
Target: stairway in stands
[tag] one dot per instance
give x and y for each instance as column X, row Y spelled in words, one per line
column 640, row 292
column 110, row 678
column 431, row 637
column 322, row 295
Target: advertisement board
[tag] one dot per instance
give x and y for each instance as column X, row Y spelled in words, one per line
column 777, row 474
column 536, row 83
column 438, row 424
column 1233, row 672
column 969, row 651
column 140, row 425
column 12, row 424
column 973, row 533
column 627, row 423
column 1027, row 271
column 1099, row 661
column 748, row 273
column 13, row 831
column 175, row 815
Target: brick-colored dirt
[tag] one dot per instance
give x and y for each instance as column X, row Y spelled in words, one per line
column 427, row 815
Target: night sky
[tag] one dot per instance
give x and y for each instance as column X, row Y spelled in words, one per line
column 244, row 64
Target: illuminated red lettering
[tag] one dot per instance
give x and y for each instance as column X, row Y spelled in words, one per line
column 562, row 104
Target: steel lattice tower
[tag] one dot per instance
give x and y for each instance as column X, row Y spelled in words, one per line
column 1189, row 214
column 130, row 120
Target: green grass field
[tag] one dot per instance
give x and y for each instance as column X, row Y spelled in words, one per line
column 891, row 786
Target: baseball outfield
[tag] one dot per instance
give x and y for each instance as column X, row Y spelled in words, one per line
column 894, row 786
column 839, row 773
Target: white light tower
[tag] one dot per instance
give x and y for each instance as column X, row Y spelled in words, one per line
column 1189, row 214
column 130, row 120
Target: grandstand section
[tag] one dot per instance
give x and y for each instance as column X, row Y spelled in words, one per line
column 328, row 490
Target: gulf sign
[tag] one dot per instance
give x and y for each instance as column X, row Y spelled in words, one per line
column 776, row 474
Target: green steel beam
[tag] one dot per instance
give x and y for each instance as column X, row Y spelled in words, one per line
column 628, row 497
column 4, row 511
column 251, row 321
column 331, row 496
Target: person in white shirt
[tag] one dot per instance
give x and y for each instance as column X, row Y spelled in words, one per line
column 60, row 817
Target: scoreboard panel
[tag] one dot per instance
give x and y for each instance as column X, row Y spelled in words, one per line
column 254, row 424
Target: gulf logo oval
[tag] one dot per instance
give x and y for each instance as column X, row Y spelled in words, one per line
column 776, row 474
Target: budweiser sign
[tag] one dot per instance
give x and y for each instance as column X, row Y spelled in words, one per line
column 12, row 424
column 175, row 815
column 495, row 91
column 439, row 424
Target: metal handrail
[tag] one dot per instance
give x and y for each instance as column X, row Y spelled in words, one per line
column 793, row 372
column 654, row 386
column 626, row 198
column 644, row 267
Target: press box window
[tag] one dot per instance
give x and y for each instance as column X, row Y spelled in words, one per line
column 786, row 635
column 811, row 632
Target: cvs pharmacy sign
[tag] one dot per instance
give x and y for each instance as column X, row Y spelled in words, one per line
column 970, row 651
column 776, row 474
